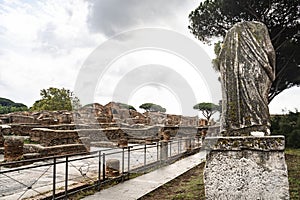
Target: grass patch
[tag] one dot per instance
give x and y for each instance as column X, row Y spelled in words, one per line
column 188, row 186
column 28, row 141
column 293, row 163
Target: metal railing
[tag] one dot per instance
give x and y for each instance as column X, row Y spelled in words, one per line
column 60, row 176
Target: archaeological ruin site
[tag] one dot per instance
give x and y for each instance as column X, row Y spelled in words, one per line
column 27, row 135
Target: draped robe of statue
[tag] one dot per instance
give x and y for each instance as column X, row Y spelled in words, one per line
column 247, row 64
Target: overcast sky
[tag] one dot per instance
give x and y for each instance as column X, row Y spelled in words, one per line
column 46, row 43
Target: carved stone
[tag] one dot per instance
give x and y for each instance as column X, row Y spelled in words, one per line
column 247, row 63
column 248, row 168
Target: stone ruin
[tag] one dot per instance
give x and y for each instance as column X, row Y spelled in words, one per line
column 48, row 133
column 244, row 162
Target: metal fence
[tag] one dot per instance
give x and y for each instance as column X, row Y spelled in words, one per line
column 60, row 176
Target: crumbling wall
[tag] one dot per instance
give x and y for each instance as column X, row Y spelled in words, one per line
column 48, row 137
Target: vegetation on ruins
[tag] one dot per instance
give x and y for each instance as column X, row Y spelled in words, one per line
column 8, row 106
column 55, row 99
column 207, row 109
column 213, row 18
column 289, row 126
column 126, row 106
column 151, row 107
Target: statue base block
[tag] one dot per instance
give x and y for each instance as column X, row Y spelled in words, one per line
column 246, row 168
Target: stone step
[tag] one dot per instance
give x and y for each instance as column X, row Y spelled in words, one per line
column 31, row 155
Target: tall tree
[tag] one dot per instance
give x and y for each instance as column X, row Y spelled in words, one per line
column 213, row 18
column 207, row 109
column 151, row 107
column 55, row 99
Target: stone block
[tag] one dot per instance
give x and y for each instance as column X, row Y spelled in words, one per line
column 246, row 168
column 123, row 142
column 48, row 137
column 13, row 149
column 113, row 167
column 164, row 150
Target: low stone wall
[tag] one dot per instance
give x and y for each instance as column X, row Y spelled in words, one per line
column 181, row 131
column 142, row 132
column 93, row 134
column 114, row 134
column 25, row 129
column 13, row 118
column 47, row 137
column 245, row 168
column 54, row 150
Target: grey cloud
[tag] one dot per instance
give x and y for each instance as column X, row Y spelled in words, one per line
column 157, row 76
column 113, row 16
column 50, row 41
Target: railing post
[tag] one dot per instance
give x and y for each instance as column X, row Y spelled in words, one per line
column 179, row 145
column 178, row 151
column 128, row 162
column 54, row 178
column 157, row 151
column 123, row 160
column 99, row 169
column 170, row 148
column 66, row 178
column 103, row 167
column 145, row 158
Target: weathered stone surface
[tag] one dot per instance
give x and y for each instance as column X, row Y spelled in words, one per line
column 17, row 118
column 106, row 144
column 13, row 148
column 123, row 142
column 86, row 141
column 6, row 129
column 164, row 150
column 48, row 137
column 166, row 135
column 1, row 138
column 112, row 167
column 246, row 175
column 54, row 150
column 247, row 64
column 267, row 143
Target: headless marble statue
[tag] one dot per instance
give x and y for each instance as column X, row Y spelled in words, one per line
column 247, row 64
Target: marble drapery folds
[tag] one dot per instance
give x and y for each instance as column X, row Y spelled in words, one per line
column 247, row 65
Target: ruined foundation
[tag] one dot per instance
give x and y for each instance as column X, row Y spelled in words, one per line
column 246, row 168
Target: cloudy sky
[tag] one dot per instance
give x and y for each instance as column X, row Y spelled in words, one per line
column 49, row 43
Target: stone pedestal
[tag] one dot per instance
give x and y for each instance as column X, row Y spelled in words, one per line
column 188, row 144
column 164, row 150
column 246, row 168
